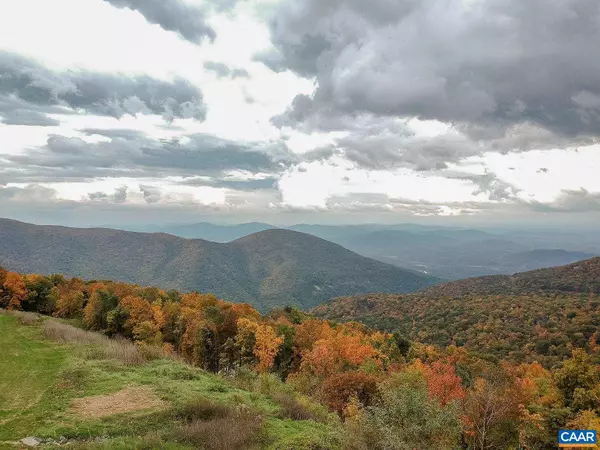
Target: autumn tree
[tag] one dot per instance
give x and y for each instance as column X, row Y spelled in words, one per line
column 14, row 285
column 579, row 380
column 266, row 345
column 337, row 390
column 442, row 382
column 338, row 352
column 493, row 409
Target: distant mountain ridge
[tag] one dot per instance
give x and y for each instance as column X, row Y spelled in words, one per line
column 267, row 269
column 582, row 276
column 447, row 252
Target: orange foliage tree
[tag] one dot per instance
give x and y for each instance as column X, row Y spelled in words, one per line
column 14, row 284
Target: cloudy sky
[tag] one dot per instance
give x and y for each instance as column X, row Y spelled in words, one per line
column 165, row 111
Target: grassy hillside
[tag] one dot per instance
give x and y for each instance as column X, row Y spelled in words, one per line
column 101, row 396
column 267, row 269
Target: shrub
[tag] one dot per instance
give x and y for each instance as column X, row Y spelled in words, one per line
column 204, row 409
column 296, row 408
column 239, row 430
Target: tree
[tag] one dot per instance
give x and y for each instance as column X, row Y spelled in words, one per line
column 585, row 420
column 138, row 311
column 337, row 390
column 266, row 345
column 442, row 382
column 70, row 303
column 14, row 284
column 492, row 413
column 579, row 381
column 96, row 311
column 402, row 343
column 337, row 353
column 41, row 294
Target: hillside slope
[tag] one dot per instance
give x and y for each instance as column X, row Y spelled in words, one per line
column 530, row 316
column 582, row 276
column 267, row 269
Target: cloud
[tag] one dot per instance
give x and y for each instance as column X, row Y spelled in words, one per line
column 249, row 185
column 119, row 196
column 114, row 133
column 152, row 194
column 486, row 63
column 488, row 183
column 173, row 15
column 223, row 70
column 31, row 91
column 33, row 193
column 133, row 155
column 570, row 201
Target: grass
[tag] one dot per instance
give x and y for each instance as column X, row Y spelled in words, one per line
column 47, row 364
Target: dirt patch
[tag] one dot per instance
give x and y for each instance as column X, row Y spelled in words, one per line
column 132, row 398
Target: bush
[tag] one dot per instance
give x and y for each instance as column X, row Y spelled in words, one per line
column 240, row 429
column 296, row 408
column 404, row 417
column 204, row 409
column 293, row 406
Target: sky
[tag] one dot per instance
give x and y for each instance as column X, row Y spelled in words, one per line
column 288, row 111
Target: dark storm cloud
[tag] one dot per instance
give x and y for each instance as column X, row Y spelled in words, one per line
column 134, row 155
column 173, row 15
column 30, row 91
column 491, row 63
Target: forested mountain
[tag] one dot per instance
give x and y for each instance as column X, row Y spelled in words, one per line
column 531, row 316
column 266, row 269
column 582, row 276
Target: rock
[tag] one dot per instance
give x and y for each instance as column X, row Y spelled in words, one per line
column 31, row 441
column 63, row 440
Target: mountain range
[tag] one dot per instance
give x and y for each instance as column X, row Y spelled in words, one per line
column 445, row 252
column 267, row 269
